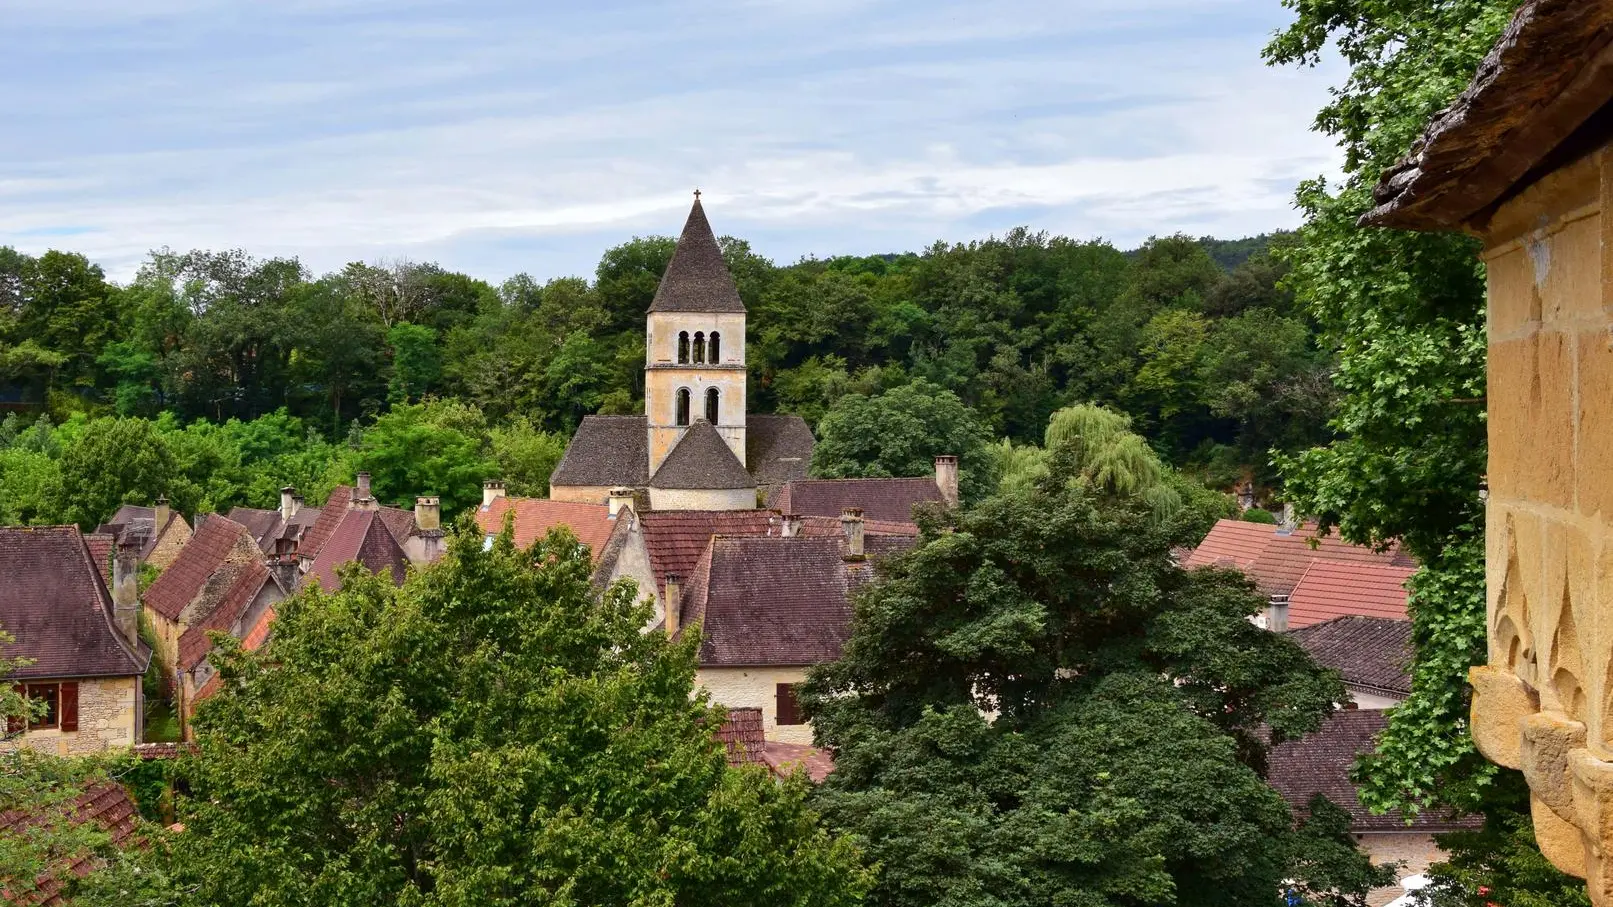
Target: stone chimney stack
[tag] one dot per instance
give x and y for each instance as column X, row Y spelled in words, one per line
column 851, row 523
column 289, row 503
column 946, row 478
column 491, row 491
column 126, row 591
column 674, row 603
column 792, row 525
column 363, row 490
column 1290, row 522
column 1277, row 614
column 428, row 512
column 620, row 497
column 161, row 511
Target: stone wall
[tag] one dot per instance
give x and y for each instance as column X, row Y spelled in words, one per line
column 702, row 499
column 1542, row 704
column 167, row 548
column 580, row 494
column 741, row 687
column 108, row 718
column 1414, row 851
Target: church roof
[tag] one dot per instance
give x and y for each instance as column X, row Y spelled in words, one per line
column 606, row 451
column 697, row 278
column 702, row 460
column 778, row 448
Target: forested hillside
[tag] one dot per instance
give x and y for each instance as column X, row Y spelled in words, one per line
column 216, row 377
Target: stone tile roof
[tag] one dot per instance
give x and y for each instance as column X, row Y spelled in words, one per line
column 1547, row 76
column 891, row 500
column 778, row 448
column 164, row 750
column 1370, row 652
column 777, row 601
column 606, row 451
column 1321, row 763
column 102, row 547
column 741, row 735
column 264, row 525
column 534, row 517
column 701, row 460
column 697, row 278
column 178, row 594
column 362, row 536
column 56, row 605
column 785, row 759
column 228, row 592
column 1330, row 589
column 106, row 803
column 399, row 521
column 330, row 516
column 137, row 525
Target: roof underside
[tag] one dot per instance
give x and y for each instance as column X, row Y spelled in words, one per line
column 1549, row 74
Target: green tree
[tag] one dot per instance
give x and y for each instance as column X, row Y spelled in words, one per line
column 116, row 461
column 900, row 433
column 1035, row 706
column 526, row 456
column 436, row 447
column 496, row 732
column 416, row 361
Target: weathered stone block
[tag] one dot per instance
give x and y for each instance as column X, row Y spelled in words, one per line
column 1515, row 301
column 1501, row 702
column 1573, row 274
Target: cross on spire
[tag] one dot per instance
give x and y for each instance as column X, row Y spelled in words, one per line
column 697, row 195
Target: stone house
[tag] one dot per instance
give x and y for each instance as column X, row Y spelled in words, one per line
column 84, row 646
column 1523, row 160
column 362, row 537
column 158, row 531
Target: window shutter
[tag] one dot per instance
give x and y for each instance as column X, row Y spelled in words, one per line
column 787, row 711
column 69, row 705
column 16, row 724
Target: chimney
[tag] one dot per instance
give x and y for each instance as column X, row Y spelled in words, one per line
column 126, row 591
column 946, row 478
column 289, row 503
column 1277, row 614
column 363, row 486
column 161, row 512
column 428, row 512
column 620, row 497
column 674, row 603
column 286, row 570
column 491, row 491
column 851, row 523
column 1289, row 521
column 792, row 525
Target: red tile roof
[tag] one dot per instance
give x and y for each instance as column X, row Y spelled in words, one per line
column 1321, row 763
column 102, row 545
column 777, row 601
column 330, row 516
column 741, row 735
column 785, row 759
column 55, row 603
column 675, row 539
column 1232, row 543
column 361, row 536
column 258, row 633
column 890, row 500
column 218, row 540
column 1277, row 559
column 230, row 590
column 1330, row 589
column 534, row 517
column 106, row 803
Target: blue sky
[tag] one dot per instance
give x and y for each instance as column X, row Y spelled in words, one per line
column 500, row 137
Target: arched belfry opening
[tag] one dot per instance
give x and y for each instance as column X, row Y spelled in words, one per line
column 711, row 405
column 683, row 347
column 713, row 351
column 683, row 406
column 699, row 347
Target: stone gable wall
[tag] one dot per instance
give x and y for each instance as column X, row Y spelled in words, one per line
column 108, row 718
column 745, row 687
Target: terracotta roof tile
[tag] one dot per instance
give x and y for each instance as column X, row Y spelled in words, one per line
column 1321, row 763
column 697, row 278
column 1232, row 543
column 363, row 537
column 891, row 500
column 785, row 759
column 330, row 516
column 1330, row 589
column 228, row 592
column 106, row 803
column 778, row 448
column 606, row 451
column 534, row 517
column 676, row 538
column 1369, row 652
column 700, row 460
column 55, row 603
column 741, row 735
column 180, row 588
column 102, row 546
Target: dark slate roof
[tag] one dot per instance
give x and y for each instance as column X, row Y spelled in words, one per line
column 675, row 539
column 778, row 448
column 1545, row 78
column 137, row 525
column 891, row 500
column 55, row 604
column 1370, row 652
column 701, row 460
column 265, row 525
column 777, row 601
column 188, row 590
column 362, row 537
column 606, row 451
column 1321, row 763
column 697, row 278
column 330, row 516
column 227, row 594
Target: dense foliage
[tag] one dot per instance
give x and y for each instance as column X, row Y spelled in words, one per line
column 493, row 732
column 1037, row 707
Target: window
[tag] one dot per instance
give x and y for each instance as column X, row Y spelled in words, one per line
column 683, row 406
column 699, row 347
column 788, row 711
column 711, row 405
column 60, row 701
column 683, row 346
column 713, row 352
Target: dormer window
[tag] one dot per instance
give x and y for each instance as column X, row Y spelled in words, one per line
column 683, row 347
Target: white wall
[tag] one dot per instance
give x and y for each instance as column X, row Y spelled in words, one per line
column 758, row 687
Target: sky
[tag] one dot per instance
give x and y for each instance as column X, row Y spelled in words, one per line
column 504, row 137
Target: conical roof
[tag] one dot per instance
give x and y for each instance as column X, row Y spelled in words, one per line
column 697, row 278
column 701, row 460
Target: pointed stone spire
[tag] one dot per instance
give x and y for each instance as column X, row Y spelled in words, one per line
column 697, row 278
